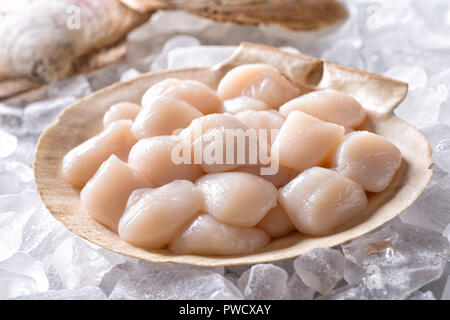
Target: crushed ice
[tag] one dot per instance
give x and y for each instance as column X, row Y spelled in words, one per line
column 406, row 40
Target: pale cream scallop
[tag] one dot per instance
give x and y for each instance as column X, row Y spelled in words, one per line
column 328, row 105
column 153, row 217
column 152, row 159
column 319, row 200
column 305, row 141
column 105, row 196
column 236, row 79
column 279, row 179
column 209, row 132
column 276, row 223
column 269, row 121
column 162, row 116
column 207, row 236
column 194, row 92
column 237, row 198
column 121, row 111
column 243, row 103
column 367, row 159
column 272, row 88
column 81, row 163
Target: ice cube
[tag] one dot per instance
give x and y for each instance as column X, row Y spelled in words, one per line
column 419, row 295
column 354, row 273
column 87, row 293
column 130, row 74
column 345, row 53
column 13, row 285
column 10, row 118
column 442, row 154
column 79, row 265
column 395, row 268
column 15, row 177
column 297, row 290
column 431, row 209
column 111, row 278
column 321, row 268
column 263, row 282
column 39, row 115
column 189, row 284
column 414, row 76
column 77, row 86
column 23, row 264
column 160, row 62
column 446, row 293
column 198, row 56
column 8, row 143
column 11, row 228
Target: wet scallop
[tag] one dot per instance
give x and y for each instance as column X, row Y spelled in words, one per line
column 276, row 223
column 154, row 216
column 305, row 141
column 121, row 111
column 237, row 198
column 81, row 163
column 162, row 116
column 320, row 200
column 207, row 236
column 266, row 123
column 280, row 178
column 259, row 81
column 196, row 93
column 207, row 139
column 152, row 158
column 328, row 105
column 368, row 159
column 105, row 196
column 244, row 103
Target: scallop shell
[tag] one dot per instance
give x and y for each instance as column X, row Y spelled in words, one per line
column 379, row 95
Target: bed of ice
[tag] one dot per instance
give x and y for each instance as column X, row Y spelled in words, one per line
column 405, row 40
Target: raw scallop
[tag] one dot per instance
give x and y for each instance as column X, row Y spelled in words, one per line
column 243, row 103
column 259, row 81
column 279, row 179
column 121, row 111
column 152, row 159
column 209, row 133
column 194, row 92
column 367, row 159
column 276, row 223
column 207, row 236
column 319, row 200
column 237, row 198
column 154, row 216
column 328, row 105
column 81, row 163
column 305, row 141
column 105, row 196
column 263, row 120
column 162, row 116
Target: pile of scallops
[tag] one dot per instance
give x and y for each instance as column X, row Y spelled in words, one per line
column 131, row 184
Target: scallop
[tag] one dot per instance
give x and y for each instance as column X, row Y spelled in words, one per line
column 305, row 141
column 81, row 163
column 105, row 196
column 328, row 105
column 243, row 103
column 162, row 116
column 207, row 236
column 267, row 121
column 194, row 92
column 153, row 159
column 154, row 216
column 367, row 159
column 276, row 223
column 282, row 176
column 237, row 198
column 259, row 81
column 319, row 200
column 211, row 135
column 121, row 111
